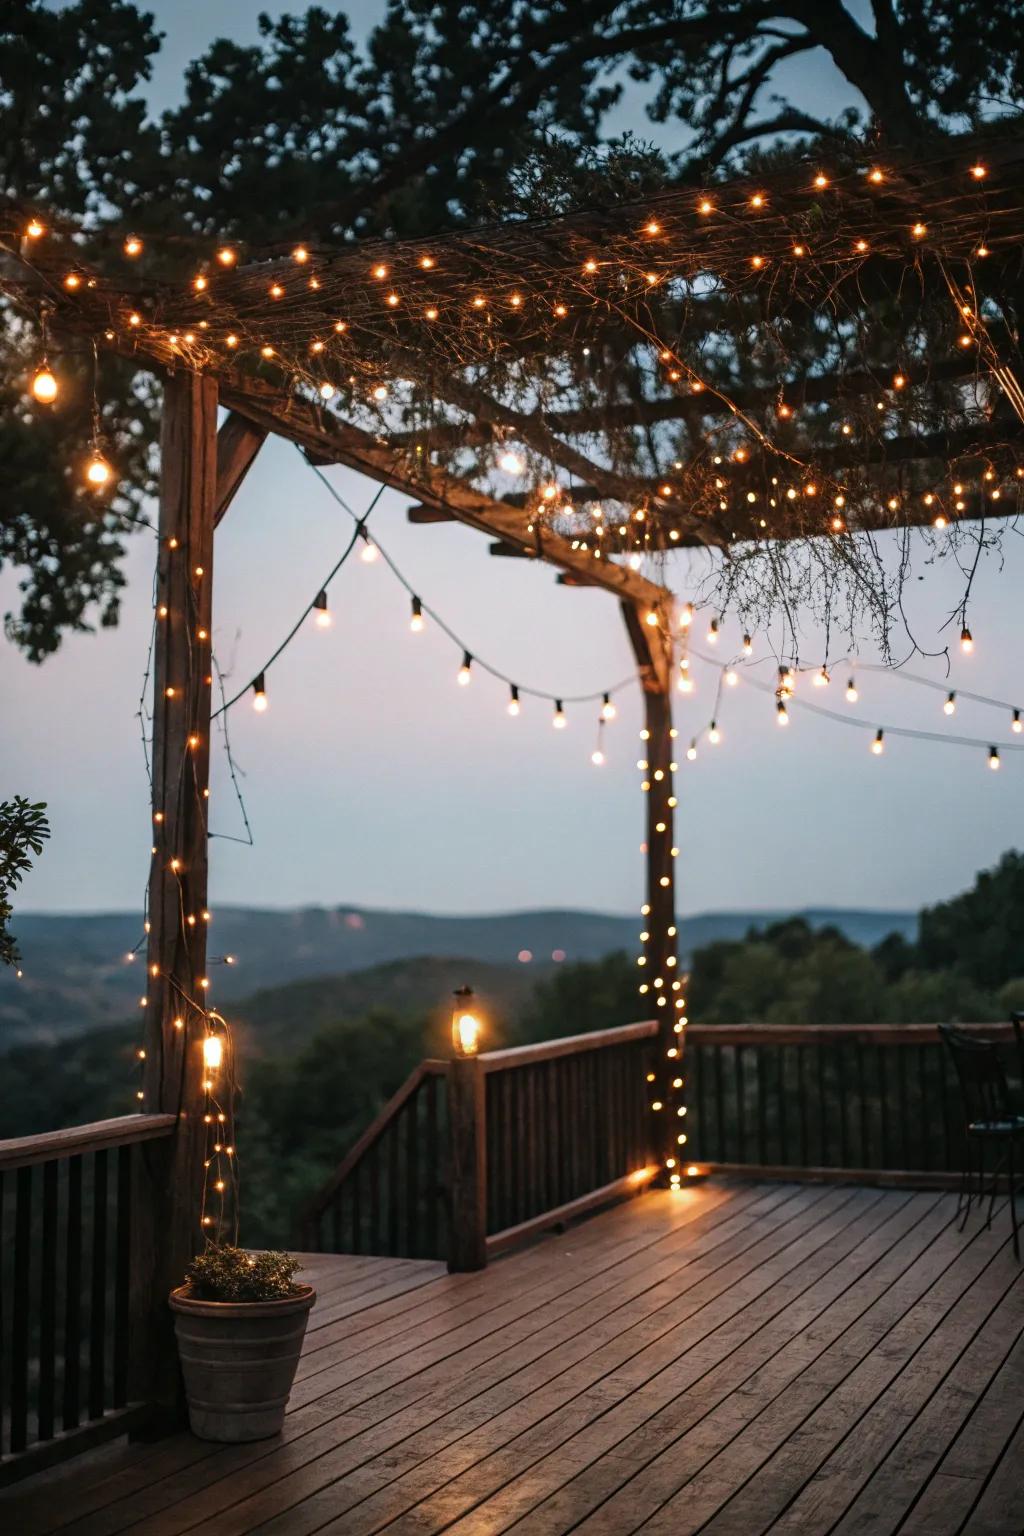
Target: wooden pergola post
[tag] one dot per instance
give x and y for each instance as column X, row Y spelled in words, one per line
column 176, row 959
column 650, row 633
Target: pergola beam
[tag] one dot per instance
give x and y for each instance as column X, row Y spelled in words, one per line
column 328, row 439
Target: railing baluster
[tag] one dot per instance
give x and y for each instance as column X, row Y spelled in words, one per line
column 122, row 1275
column 822, row 1107
column 412, row 1178
column 741, row 1107
column 373, row 1170
column 782, row 1105
column 98, row 1288
column 863, row 1154
column 71, row 1411
column 838, row 1056
column 393, row 1191
column 801, row 1089
column 433, row 1168
column 47, row 1303
column 20, row 1309
column 883, row 1100
column 762, row 1149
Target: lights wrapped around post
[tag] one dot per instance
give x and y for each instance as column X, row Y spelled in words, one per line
column 465, row 1023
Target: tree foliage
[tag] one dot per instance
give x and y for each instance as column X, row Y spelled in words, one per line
column 23, row 831
column 434, row 123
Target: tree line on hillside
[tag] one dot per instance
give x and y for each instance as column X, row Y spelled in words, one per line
column 306, row 1099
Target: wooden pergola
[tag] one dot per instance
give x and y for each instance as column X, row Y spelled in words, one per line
column 203, row 466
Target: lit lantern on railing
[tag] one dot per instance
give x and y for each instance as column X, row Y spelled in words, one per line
column 465, row 1024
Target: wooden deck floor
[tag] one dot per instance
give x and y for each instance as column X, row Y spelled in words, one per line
column 735, row 1359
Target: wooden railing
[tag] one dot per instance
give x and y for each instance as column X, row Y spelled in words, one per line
column 473, row 1156
column 874, row 1102
column 73, row 1213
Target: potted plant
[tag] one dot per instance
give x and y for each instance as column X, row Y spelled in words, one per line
column 240, row 1319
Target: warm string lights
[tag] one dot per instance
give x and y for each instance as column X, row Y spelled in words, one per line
column 431, row 345
column 784, row 692
column 420, row 611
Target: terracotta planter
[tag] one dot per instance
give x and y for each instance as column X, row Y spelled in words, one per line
column 238, row 1359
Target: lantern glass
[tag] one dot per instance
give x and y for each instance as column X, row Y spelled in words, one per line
column 465, row 1024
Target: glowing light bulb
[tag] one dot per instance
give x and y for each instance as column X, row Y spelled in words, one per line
column 380, row 392
column 607, row 708
column 714, row 734
column 993, row 758
column 1015, row 724
column 369, row 552
column 511, row 463
column 732, row 677
column 513, row 700
column 822, row 678
column 878, row 745
column 213, row 1052
column 558, row 719
column 597, row 757
column 748, row 645
column 97, row 471
column 464, row 671
column 966, row 640
column 327, row 391
column 227, row 256
column 781, row 713
column 686, row 616
column 949, row 708
column 691, row 752
column 416, row 622
column 259, row 694
column 132, row 246
column 712, row 636
column 851, row 692
column 44, row 386
column 323, row 617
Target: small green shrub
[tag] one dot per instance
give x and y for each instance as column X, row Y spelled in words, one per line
column 224, row 1273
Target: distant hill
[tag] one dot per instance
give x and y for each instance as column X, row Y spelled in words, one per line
column 77, row 977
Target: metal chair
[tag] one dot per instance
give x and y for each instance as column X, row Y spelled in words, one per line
column 991, row 1118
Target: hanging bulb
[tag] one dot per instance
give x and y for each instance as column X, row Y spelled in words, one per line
column 44, row 386
column 966, row 640
column 851, row 692
column 691, row 751
column 607, row 708
column 686, row 616
column 785, row 686
column 511, row 463
column 748, row 646
column 97, row 471
column 878, row 745
column 781, row 713
column 370, row 552
column 732, row 677
column 132, row 246
column 464, row 670
column 213, row 1052
column 822, row 679
column 1015, row 723
column 949, row 708
column 993, row 758
column 259, row 694
column 323, row 618
column 416, row 622
column 558, row 719
column 597, row 757
column 513, row 700
column 684, row 682
column 714, row 734
column 713, row 632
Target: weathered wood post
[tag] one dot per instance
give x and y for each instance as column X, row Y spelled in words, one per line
column 176, row 984
column 467, row 1154
column 650, row 633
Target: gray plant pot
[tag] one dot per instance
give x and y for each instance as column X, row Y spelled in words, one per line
column 238, row 1359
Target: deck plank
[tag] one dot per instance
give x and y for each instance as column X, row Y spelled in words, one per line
column 738, row 1359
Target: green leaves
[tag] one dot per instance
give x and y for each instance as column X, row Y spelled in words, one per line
column 23, row 831
column 224, row 1273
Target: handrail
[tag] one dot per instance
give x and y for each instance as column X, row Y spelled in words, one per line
column 569, row 1045
column 121, row 1131
column 378, row 1125
column 832, row 1034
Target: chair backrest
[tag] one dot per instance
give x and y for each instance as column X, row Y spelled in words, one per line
column 979, row 1068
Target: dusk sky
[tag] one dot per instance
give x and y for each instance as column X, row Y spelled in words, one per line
column 373, row 779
